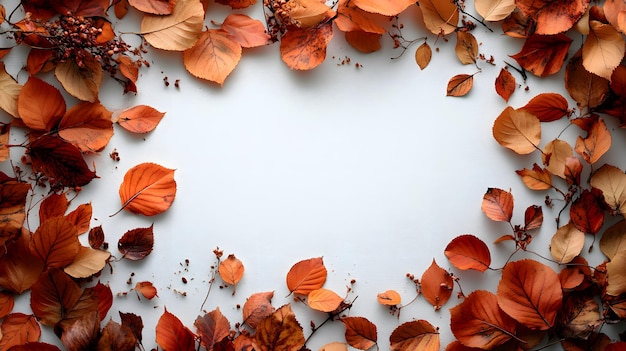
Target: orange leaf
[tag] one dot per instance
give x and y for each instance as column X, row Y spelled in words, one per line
column 53, row 295
column 120, row 8
column 612, row 182
column 88, row 126
column 555, row 155
column 603, row 49
column 19, row 268
column 140, row 119
column 614, row 239
column 363, row 41
column 81, row 218
column 148, row 189
column 436, row 285
column 498, row 205
column 596, row 144
column 236, row 4
column 324, row 300
column 172, row 335
column 517, row 130
column 231, row 270
column 212, row 328
column 587, row 211
column 533, row 217
column 87, row 262
column 18, row 329
column 335, row 346
column 460, row 85
column 178, row 31
column 12, row 210
column 566, row 243
column 384, row 7
column 466, row 47
column 536, row 178
column 308, row 13
column 440, row 16
column 306, row 276
column 9, row 92
column 157, row 7
column 54, row 205
column 423, row 54
column 548, row 107
column 389, row 298
column 553, row 17
column 214, row 56
column 40, row 105
column 257, row 307
column 137, row 243
column 81, row 81
column 505, row 84
column 468, row 252
column 351, row 18
column 530, row 292
column 279, row 332
column 360, row 332
column 415, row 335
column 5, row 132
column 587, row 89
column 479, row 322
column 55, row 242
column 305, row 48
column 248, row 32
column 7, row 301
column 147, row 290
column 543, row 55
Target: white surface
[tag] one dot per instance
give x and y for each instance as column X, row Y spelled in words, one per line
column 374, row 169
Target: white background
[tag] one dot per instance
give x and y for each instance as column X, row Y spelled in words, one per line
column 374, row 169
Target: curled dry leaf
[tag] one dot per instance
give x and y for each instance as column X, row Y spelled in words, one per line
column 279, row 332
column 140, row 119
column 212, row 328
column 306, row 276
column 213, row 57
column 248, row 32
column 415, row 335
column 257, row 307
column 157, row 7
column 324, row 300
column 548, row 107
column 389, row 298
column 171, row 334
column 466, row 47
column 533, row 217
column 18, row 329
column 231, row 270
column 137, row 243
column 40, row 105
column 460, row 85
column 567, row 243
column 437, row 285
column 178, row 31
column 614, row 239
column 479, row 322
column 494, row 11
column 543, row 55
column 498, row 205
column 579, row 316
column 440, row 17
column 360, row 332
column 9, row 92
column 468, row 252
column 603, row 49
column 87, row 262
column 148, row 189
column 423, row 54
column 305, row 48
column 517, row 130
column 146, row 289
column 88, row 126
column 537, row 178
column 505, row 84
column 612, row 182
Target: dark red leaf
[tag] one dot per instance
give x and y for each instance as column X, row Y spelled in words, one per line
column 137, row 243
column 587, row 212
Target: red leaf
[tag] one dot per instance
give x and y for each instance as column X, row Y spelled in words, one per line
column 360, row 332
column 468, row 252
column 40, row 105
column 498, row 205
column 586, row 212
column 19, row 268
column 212, row 328
column 505, row 84
column 436, row 285
column 548, row 107
column 533, row 217
column 543, row 55
column 306, row 276
column 116, row 337
column 172, row 335
column 18, row 329
column 136, row 244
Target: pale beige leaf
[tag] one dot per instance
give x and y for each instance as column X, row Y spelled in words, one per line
column 612, row 181
column 603, row 49
column 214, row 57
column 81, row 82
column 494, row 10
column 440, row 16
column 518, row 130
column 87, row 262
column 9, row 91
column 567, row 243
column 614, row 239
column 616, row 274
column 555, row 155
column 178, row 31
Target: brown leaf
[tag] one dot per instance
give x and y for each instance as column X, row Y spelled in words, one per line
column 587, row 212
column 54, row 205
column 537, row 178
column 156, row 7
column 7, row 302
column 479, row 322
column 248, row 32
column 573, row 170
column 305, row 48
column 383, row 7
column 530, row 292
column 213, row 57
column 360, row 332
column 88, row 126
column 212, row 328
column 612, row 182
column 18, row 329
column 518, row 25
column 147, row 290
column 566, row 243
column 257, row 307
column 603, row 49
column 96, row 237
column 9, row 92
column 120, row 8
column 19, row 268
column 55, row 242
column 494, row 11
column 231, row 270
column 415, row 335
column 587, row 89
column 306, row 276
column 363, row 41
column 616, row 274
column 466, row 47
column 389, row 298
column 148, row 189
column 87, row 262
column 81, row 333
column 543, row 55
column 436, row 285
column 92, row 8
column 81, row 81
column 596, row 144
column 614, row 239
column 579, row 316
column 440, row 17
column 116, row 337
column 573, row 276
column 5, row 132
column 498, row 205
column 52, row 295
column 134, row 322
column 140, row 119
column 324, row 300
column 423, row 54
column 40, row 105
column 35, row 346
column 468, row 252
column 548, row 107
column 178, row 31
column 460, row 85
column 137, row 243
column 505, row 84
column 81, row 218
column 237, row 4
column 279, row 332
column 555, row 155
column 12, row 211
column 553, row 17
column 533, row 217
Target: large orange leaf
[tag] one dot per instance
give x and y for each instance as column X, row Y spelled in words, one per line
column 140, row 119
column 498, row 205
column 612, row 182
column 543, row 55
column 306, row 276
column 436, row 284
column 567, row 243
column 587, row 89
column 548, row 107
column 537, row 178
column 87, row 262
column 248, row 32
column 18, row 329
column 53, row 295
column 603, row 49
column 384, row 7
column 494, row 10
column 214, row 56
column 360, row 332
column 157, row 7
column 40, row 105
column 518, row 130
column 82, row 82
column 308, row 13
column 555, row 155
column 81, row 218
column 596, row 144
column 479, row 322
column 9, row 92
column 279, row 332
column 440, row 16
column 257, row 307
column 212, row 328
column 324, row 300
column 178, row 31
column 54, row 205
column 415, row 335
column 614, row 239
column 364, row 41
column 468, row 252
column 137, row 243
column 305, row 48
column 88, row 126
column 172, row 335
column 231, row 270
column 460, row 85
column 12, row 210
column 148, row 189
column 351, row 18
column 55, row 242
column 19, row 268
column 530, row 292
column 553, row 17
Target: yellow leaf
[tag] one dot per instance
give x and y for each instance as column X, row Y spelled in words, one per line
column 616, row 274
column 214, row 56
column 178, row 31
column 603, row 49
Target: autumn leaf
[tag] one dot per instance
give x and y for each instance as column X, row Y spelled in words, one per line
column 612, row 182
column 460, row 85
column 616, row 275
column 81, row 218
column 212, row 328
column 468, row 252
column 586, row 88
column 120, row 8
column 40, row 105
column 172, row 335
column 81, row 333
column 579, row 316
column 555, row 155
column 517, row 130
column 93, row 8
column 384, row 7
column 603, row 49
column 18, row 329
column 257, row 307
column 53, row 205
column 352, row 18
column 415, row 335
column 9, row 92
column 137, row 243
column 7, row 302
column 53, row 295
column 146, row 289
column 553, row 17
column 178, row 31
column 548, row 107
column 479, row 322
column 596, row 144
column 5, row 131
column 360, row 332
column 498, row 205
column 436, row 284
column 235, row 4
column 247, row 32
column 308, row 13
column 533, row 217
column 306, row 276
column 117, row 336
column 567, row 243
column 466, row 47
column 148, row 189
column 140, row 119
column 389, row 298
column 12, row 211
column 231, row 270
column 305, row 48
column 543, row 55
column 35, row 346
column 335, row 346
column 505, row 84
column 586, row 212
column 324, row 300
column 81, row 81
column 88, row 126
column 279, row 332
column 87, row 262
column 157, row 7
column 440, row 16
column 55, row 242
column 19, row 268
column 494, row 11
column 423, row 54
column 530, row 292
column 134, row 322
column 213, row 57
column 537, row 178
column 363, row 41
column 614, row 239
column 572, row 276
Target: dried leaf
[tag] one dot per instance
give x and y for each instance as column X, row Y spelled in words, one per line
column 5, row 132
column 53, row 295
column 35, row 346
column 12, row 211
column 555, row 155
column 537, row 178
column 587, row 89
column 231, row 270
column 415, row 335
column 7, row 302
column 596, row 144
column 87, row 262
column 498, row 205
column 436, row 285
column 81, row 218
column 81, row 81
column 212, row 328
column 548, row 107
column 40, row 105
column 494, row 11
column 140, row 119
column 81, row 333
column 603, row 49
column 54, row 205
column 213, row 57
column 324, row 300
column 335, row 346
column 466, row 47
column 9, row 92
column 157, row 7
column 279, row 332
column 19, row 268
column 460, row 85
column 309, row 13
column 120, row 8
column 55, row 242
column 134, row 322
column 147, row 290
column 117, row 337
column 533, row 217
column 505, row 84
column 137, row 243
column 579, row 316
column 360, row 332
column 383, row 7
column 479, row 322
column 305, row 48
column 236, row 4
column 88, row 126
column 468, row 252
column 616, row 275
column 363, row 41
column 518, row 25
column 148, row 189
column 587, row 212
column 612, row 182
column 543, row 55
column 614, row 239
column 553, row 17
column 248, row 32
column 306, row 276
column 178, row 31
column 530, row 292
column 440, row 16
column 351, row 18
column 423, row 54
column 389, row 298
column 18, row 329
column 257, row 307
column 567, row 243
column 171, row 334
